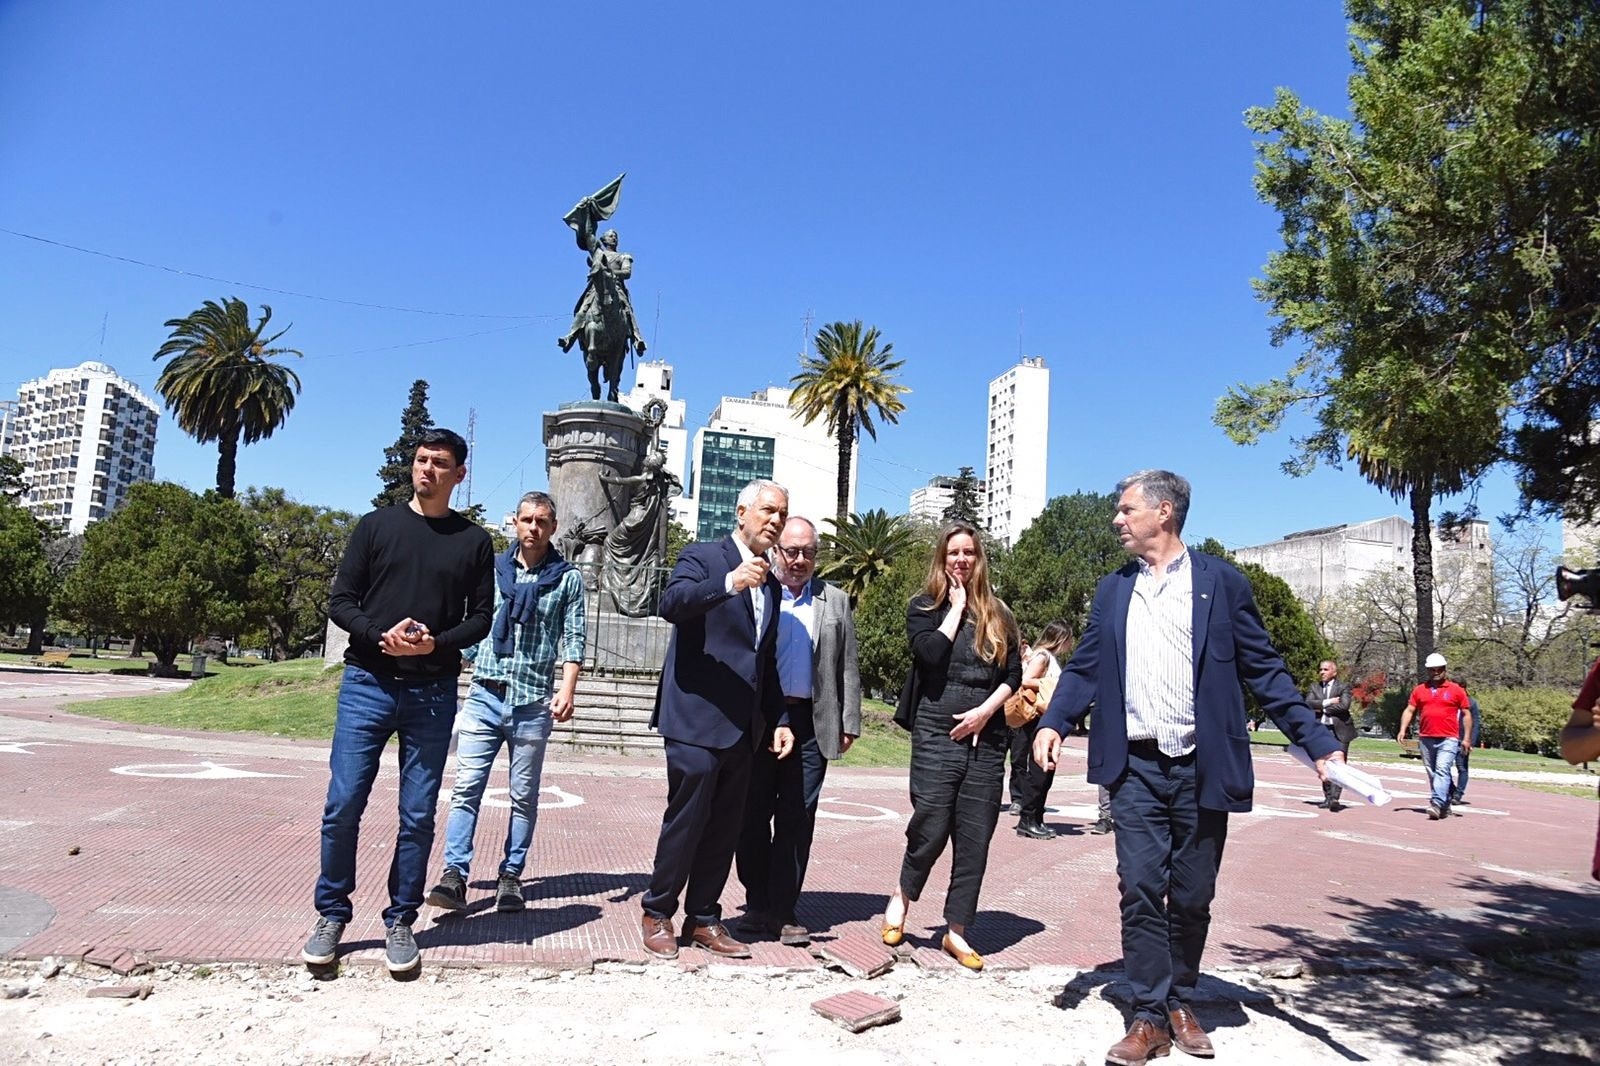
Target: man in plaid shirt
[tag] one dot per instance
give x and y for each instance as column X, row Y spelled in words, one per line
column 538, row 621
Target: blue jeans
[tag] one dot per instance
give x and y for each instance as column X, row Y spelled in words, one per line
column 487, row 722
column 1439, row 756
column 1463, row 759
column 371, row 710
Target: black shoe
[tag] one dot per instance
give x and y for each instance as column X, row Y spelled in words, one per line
column 1033, row 827
column 508, row 893
column 1014, row 807
column 1335, row 806
column 450, row 894
column 1324, row 804
column 1102, row 827
column 1435, row 812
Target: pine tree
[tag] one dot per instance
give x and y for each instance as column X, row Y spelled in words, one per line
column 395, row 473
column 965, row 504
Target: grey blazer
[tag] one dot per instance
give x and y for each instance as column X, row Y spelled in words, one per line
column 835, row 673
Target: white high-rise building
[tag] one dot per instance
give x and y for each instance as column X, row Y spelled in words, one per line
column 83, row 436
column 1019, row 441
column 778, row 445
column 653, row 381
column 929, row 503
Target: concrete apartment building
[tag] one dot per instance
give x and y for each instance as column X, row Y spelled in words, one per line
column 1018, row 437
column 1320, row 563
column 83, row 437
column 760, row 436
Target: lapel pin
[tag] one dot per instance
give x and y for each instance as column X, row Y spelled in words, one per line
column 1205, row 595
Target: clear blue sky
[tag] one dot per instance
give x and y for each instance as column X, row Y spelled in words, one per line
column 934, row 169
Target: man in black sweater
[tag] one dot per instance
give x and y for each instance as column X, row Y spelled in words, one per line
column 415, row 587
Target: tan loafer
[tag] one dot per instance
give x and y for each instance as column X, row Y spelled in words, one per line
column 965, row 956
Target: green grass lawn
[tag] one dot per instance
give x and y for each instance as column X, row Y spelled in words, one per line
column 1367, row 750
column 289, row 699
column 108, row 663
column 881, row 743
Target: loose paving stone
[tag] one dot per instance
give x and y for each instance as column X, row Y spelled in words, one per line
column 858, row 956
column 140, row 991
column 857, row 1011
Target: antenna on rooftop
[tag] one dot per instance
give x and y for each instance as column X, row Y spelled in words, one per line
column 1019, row 333
column 805, row 335
column 655, row 331
column 103, row 319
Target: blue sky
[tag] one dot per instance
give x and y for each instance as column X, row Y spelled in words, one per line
column 942, row 171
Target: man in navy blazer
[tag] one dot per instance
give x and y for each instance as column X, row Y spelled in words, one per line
column 718, row 692
column 1170, row 639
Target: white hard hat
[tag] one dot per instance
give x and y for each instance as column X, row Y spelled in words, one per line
column 1434, row 660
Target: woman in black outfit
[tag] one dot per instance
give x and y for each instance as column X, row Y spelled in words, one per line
column 964, row 650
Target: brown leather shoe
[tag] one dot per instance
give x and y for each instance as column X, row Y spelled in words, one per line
column 1188, row 1035
column 716, row 939
column 659, row 938
column 794, row 935
column 1143, row 1043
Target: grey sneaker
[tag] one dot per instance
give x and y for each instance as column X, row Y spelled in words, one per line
column 450, row 893
column 508, row 893
column 1102, row 827
column 323, row 946
column 400, row 952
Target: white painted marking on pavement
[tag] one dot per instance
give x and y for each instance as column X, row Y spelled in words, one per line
column 501, row 797
column 20, row 747
column 201, row 771
column 880, row 814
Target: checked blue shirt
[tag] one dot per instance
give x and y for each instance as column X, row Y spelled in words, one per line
column 557, row 635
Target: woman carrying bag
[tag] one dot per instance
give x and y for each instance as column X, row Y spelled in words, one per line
column 1039, row 673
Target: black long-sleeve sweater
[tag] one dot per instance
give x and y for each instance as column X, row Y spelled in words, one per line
column 401, row 564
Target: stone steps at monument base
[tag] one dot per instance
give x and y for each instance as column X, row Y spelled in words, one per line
column 613, row 714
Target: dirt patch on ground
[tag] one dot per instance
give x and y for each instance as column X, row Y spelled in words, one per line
column 1522, row 1009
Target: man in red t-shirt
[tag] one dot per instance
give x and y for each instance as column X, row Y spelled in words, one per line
column 1445, row 708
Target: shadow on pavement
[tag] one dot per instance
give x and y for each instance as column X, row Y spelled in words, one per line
column 1507, row 976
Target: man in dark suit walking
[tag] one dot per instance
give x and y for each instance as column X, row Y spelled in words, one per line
column 718, row 692
column 821, row 686
column 1330, row 699
column 1170, row 638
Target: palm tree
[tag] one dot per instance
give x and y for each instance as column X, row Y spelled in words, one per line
column 862, row 547
column 221, row 384
column 845, row 382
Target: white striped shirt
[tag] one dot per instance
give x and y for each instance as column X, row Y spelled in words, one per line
column 1160, row 680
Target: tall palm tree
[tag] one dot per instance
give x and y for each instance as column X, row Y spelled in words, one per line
column 863, row 546
column 845, row 382
column 221, row 384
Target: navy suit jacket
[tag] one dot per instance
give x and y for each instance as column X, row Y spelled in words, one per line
column 1231, row 648
column 719, row 685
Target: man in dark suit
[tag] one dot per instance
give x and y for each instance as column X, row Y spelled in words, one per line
column 718, row 691
column 821, row 685
column 1170, row 638
column 1330, row 699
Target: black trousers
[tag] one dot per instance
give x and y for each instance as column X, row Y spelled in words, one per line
column 1168, row 854
column 780, row 820
column 705, row 809
column 1330, row 791
column 955, row 798
column 1030, row 783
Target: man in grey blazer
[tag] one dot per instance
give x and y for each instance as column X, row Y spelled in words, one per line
column 822, row 691
column 1330, row 699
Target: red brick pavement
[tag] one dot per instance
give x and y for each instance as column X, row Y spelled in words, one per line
column 215, row 860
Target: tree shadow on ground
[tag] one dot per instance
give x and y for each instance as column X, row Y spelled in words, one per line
column 1504, row 975
column 1219, row 1004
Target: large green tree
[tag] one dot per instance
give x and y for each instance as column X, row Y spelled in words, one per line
column 883, row 654
column 25, row 587
column 221, row 383
column 12, row 485
column 1052, row 570
column 167, row 564
column 848, row 380
column 1416, row 259
column 298, row 547
column 395, row 473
